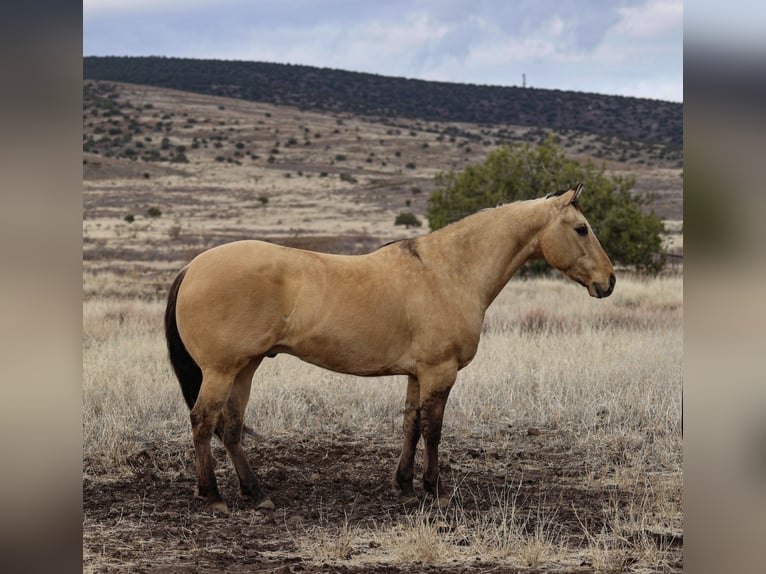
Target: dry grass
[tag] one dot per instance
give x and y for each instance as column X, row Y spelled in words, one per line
column 590, row 365
column 601, row 377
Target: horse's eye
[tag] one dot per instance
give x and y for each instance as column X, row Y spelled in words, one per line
column 582, row 230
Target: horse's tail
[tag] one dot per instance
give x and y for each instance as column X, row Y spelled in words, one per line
column 186, row 369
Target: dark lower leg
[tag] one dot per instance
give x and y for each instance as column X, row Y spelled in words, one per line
column 431, row 427
column 232, row 424
column 202, row 431
column 232, row 440
column 411, row 428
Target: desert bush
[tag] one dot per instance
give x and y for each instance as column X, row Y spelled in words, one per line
column 629, row 235
column 408, row 219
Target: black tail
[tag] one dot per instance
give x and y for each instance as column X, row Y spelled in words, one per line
column 187, row 371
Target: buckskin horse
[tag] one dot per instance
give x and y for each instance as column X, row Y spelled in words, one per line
column 413, row 307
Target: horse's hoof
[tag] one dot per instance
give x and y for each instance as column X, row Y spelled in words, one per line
column 266, row 504
column 443, row 502
column 219, row 507
column 409, row 500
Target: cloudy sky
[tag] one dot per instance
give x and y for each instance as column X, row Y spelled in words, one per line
column 625, row 47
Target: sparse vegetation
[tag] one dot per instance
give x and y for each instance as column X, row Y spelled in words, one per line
column 367, row 94
column 408, row 219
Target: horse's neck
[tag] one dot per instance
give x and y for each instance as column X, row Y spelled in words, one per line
column 484, row 250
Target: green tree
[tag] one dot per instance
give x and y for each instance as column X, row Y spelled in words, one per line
column 628, row 231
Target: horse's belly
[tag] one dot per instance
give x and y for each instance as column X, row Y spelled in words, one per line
column 353, row 356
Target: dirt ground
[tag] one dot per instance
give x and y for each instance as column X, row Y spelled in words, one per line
column 145, row 519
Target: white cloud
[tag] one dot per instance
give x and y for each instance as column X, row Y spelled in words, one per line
column 654, row 18
column 555, row 26
column 392, row 48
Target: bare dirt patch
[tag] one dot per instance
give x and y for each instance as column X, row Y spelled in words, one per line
column 336, row 511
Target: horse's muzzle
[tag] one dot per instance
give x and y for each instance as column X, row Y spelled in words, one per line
column 600, row 291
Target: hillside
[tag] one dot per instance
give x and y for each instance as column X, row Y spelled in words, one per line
column 322, row 89
column 169, row 173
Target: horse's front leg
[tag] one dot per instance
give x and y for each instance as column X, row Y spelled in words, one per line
column 435, row 386
column 411, row 428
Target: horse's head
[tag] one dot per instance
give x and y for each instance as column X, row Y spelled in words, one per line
column 568, row 243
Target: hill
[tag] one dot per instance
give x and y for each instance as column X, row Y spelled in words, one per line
column 323, row 89
column 169, row 173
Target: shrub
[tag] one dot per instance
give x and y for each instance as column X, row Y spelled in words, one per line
column 629, row 235
column 130, row 218
column 407, row 219
column 153, row 212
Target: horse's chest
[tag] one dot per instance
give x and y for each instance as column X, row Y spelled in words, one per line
column 449, row 338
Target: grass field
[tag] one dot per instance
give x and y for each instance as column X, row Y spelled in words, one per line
column 562, row 446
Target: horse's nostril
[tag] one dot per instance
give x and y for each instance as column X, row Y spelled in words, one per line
column 612, row 281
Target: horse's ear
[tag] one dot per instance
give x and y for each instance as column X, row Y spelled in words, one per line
column 567, row 196
column 576, row 196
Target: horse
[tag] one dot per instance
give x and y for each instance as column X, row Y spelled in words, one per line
column 412, row 307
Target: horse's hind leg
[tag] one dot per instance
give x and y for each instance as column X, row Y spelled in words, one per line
column 233, row 422
column 411, row 428
column 213, row 395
